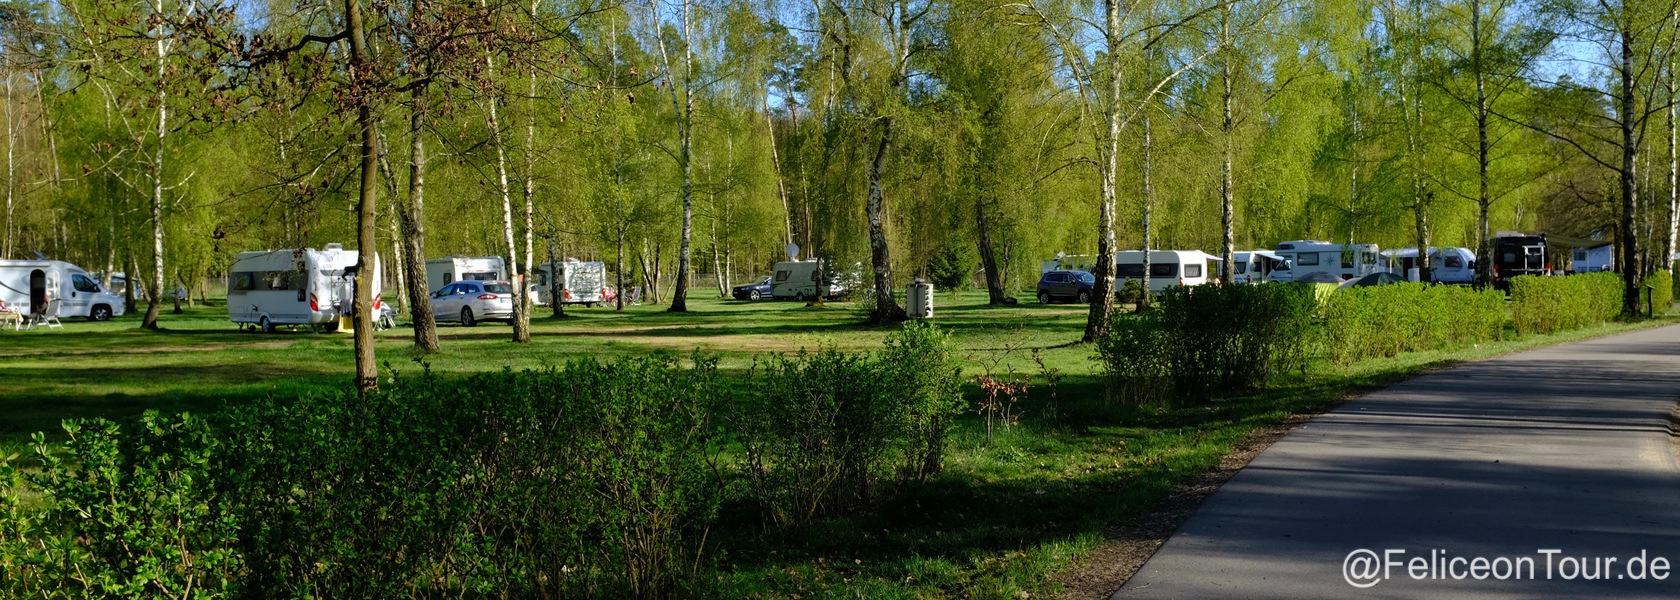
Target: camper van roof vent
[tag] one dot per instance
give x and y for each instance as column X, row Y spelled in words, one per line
column 334, row 247
column 1286, row 246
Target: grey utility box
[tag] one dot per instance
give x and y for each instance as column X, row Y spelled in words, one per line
column 919, row 296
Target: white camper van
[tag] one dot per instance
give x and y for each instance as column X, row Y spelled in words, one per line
column 580, row 282
column 1341, row 261
column 1167, row 268
column 444, row 271
column 1253, row 266
column 31, row 286
column 1446, row 265
column 295, row 287
column 797, row 280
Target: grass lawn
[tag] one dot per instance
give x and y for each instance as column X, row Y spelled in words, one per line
column 1003, row 518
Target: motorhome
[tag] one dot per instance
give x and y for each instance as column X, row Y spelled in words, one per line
column 1167, row 268
column 1593, row 259
column 579, row 282
column 444, row 271
column 1517, row 254
column 1446, row 265
column 1253, row 266
column 31, row 286
column 1342, row 261
column 301, row 286
column 798, row 280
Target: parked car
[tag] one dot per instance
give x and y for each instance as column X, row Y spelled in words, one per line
column 753, row 291
column 1067, row 286
column 468, row 302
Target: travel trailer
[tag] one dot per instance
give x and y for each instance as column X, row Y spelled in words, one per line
column 1253, row 266
column 797, row 280
column 295, row 287
column 1342, row 261
column 1446, row 265
column 444, row 271
column 31, row 286
column 1167, row 268
column 1594, row 259
column 580, row 282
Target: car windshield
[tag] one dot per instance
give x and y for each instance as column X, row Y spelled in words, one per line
column 498, row 288
column 1087, row 278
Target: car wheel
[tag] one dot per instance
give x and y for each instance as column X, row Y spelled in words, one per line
column 754, row 295
column 467, row 318
column 265, row 325
column 100, row 313
column 1043, row 297
column 1084, row 297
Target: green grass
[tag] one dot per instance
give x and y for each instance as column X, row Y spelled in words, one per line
column 1003, row 517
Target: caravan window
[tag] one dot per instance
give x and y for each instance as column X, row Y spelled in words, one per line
column 480, row 276
column 82, row 283
column 1163, row 270
column 1192, row 271
column 1134, row 271
column 1455, row 262
column 783, row 276
column 1580, row 254
column 242, row 282
column 1307, row 259
column 1242, row 267
column 1347, row 260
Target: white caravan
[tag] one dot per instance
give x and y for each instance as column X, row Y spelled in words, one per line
column 444, row 271
column 1341, row 261
column 30, row 286
column 295, row 287
column 580, row 282
column 1167, row 268
column 1593, row 259
column 1253, row 266
column 797, row 280
column 1446, row 265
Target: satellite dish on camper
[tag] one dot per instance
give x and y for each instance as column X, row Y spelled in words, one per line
column 793, row 251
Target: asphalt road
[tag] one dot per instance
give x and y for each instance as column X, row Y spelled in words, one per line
column 1563, row 448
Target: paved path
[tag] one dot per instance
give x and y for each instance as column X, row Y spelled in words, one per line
column 1560, row 448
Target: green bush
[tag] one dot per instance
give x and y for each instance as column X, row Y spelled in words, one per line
column 1380, row 321
column 585, row 480
column 1549, row 304
column 131, row 514
column 1208, row 338
column 1662, row 290
column 823, row 431
column 952, row 268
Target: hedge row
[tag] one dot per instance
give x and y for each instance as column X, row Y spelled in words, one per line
column 588, row 480
column 1381, row 321
column 1550, row 304
column 1202, row 339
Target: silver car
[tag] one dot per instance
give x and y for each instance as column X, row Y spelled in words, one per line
column 468, row 302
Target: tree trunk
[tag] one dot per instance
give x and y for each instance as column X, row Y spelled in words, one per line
column 1673, row 164
column 1102, row 294
column 1227, row 200
column 1484, row 202
column 1148, row 174
column 685, row 159
column 411, row 217
column 886, row 308
column 11, row 169
column 1630, row 191
column 521, row 318
column 155, row 293
column 367, row 370
column 995, row 293
column 556, row 307
column 523, row 280
column 776, row 161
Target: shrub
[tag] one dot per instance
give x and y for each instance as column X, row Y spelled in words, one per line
column 952, row 268
column 823, row 431
column 1549, row 304
column 1131, row 291
column 1381, row 321
column 1202, row 339
column 1662, row 290
column 585, row 480
column 121, row 514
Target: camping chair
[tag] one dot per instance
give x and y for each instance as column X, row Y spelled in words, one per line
column 635, row 297
column 48, row 317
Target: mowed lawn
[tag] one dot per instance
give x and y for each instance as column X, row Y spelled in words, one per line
column 1006, row 516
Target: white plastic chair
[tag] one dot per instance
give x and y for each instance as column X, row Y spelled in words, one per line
column 48, row 317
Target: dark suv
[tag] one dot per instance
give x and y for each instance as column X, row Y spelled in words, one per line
column 1066, row 285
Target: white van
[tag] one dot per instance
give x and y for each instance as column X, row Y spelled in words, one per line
column 797, row 280
column 29, row 286
column 1446, row 265
column 1253, row 266
column 295, row 287
column 1167, row 268
column 580, row 282
column 1341, row 261
column 444, row 271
